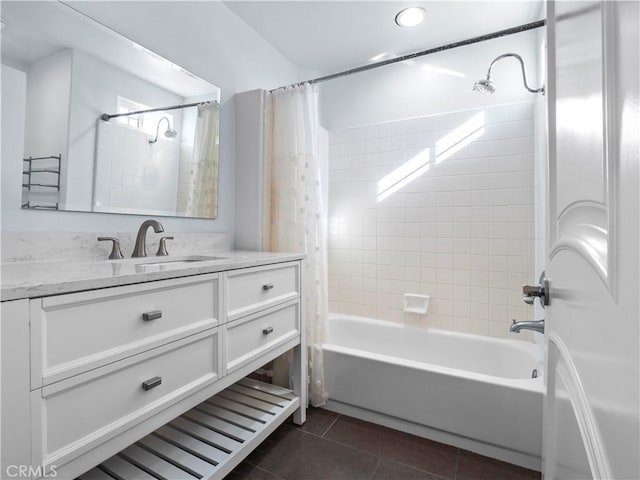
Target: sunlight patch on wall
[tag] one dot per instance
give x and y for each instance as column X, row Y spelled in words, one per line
column 462, row 136
column 404, row 174
column 447, row 146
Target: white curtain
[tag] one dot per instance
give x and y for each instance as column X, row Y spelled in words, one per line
column 298, row 217
column 202, row 192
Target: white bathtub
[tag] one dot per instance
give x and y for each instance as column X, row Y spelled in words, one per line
column 465, row 390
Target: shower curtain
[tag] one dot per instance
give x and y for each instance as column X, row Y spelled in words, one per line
column 203, row 194
column 297, row 217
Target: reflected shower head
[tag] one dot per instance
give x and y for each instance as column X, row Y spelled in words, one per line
column 169, row 132
column 484, row 85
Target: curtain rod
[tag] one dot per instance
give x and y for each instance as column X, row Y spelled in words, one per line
column 449, row 46
column 106, row 117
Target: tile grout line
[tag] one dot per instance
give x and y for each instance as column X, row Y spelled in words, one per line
column 375, row 470
column 329, row 427
column 269, row 472
column 351, row 447
column 389, row 458
column 381, row 457
column 412, row 467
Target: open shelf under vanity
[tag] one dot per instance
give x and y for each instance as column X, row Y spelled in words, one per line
column 206, row 442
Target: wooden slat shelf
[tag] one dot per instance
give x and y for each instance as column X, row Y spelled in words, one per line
column 208, row 441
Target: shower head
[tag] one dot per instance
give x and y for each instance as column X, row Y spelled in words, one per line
column 485, row 85
column 169, row 132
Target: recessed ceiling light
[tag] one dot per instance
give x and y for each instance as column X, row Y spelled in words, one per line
column 410, row 17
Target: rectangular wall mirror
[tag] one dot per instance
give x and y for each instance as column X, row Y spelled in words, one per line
column 110, row 126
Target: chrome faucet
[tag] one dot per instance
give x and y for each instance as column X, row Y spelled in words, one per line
column 536, row 326
column 140, row 249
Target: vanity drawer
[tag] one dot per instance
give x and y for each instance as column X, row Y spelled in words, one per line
column 254, row 335
column 78, row 332
column 253, row 289
column 74, row 415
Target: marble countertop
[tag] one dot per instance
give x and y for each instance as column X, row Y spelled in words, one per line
column 38, row 279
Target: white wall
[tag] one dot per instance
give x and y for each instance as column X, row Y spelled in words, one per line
column 542, row 135
column 250, row 174
column 430, row 85
column 47, row 117
column 203, row 37
column 13, row 101
column 133, row 176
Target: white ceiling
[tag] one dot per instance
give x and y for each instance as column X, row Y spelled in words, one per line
column 330, row 36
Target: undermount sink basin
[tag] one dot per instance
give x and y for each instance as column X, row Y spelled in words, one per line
column 156, row 264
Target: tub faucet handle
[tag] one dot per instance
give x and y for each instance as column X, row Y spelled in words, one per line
column 541, row 291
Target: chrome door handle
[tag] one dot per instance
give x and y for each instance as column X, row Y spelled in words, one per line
column 541, row 291
column 267, row 330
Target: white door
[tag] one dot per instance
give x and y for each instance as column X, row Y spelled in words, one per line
column 591, row 412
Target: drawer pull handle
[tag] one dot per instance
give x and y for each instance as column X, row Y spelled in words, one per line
column 152, row 315
column 267, row 286
column 151, row 383
column 267, row 330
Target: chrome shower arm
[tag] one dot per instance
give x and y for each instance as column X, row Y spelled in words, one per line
column 151, row 142
column 524, row 75
column 158, row 125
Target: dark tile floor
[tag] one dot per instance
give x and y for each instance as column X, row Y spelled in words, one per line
column 336, row 447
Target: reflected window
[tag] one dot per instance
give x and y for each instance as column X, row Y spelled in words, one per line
column 145, row 122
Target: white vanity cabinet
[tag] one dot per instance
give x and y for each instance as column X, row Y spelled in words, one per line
column 79, row 332
column 147, row 371
column 254, row 289
column 262, row 312
column 249, row 337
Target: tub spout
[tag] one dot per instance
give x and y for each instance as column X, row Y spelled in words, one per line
column 536, row 326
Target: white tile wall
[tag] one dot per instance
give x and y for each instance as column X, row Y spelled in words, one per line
column 132, row 175
column 459, row 228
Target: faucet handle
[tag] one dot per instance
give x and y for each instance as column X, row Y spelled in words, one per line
column 541, row 291
column 162, row 247
column 116, row 253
